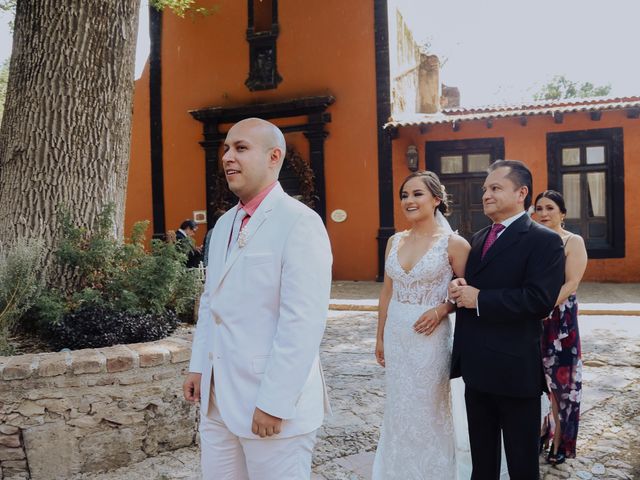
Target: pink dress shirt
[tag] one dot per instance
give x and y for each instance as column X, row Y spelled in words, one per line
column 253, row 204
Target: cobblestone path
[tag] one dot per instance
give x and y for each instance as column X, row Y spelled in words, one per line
column 609, row 437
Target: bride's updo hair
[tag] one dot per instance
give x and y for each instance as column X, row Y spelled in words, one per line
column 432, row 182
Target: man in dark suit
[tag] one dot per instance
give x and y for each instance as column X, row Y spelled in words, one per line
column 184, row 238
column 512, row 280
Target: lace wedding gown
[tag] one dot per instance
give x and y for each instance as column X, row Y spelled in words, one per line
column 417, row 438
column 424, row 433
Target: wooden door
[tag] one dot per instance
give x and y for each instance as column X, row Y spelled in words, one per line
column 467, row 216
column 462, row 168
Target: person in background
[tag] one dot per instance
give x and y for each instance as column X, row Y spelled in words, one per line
column 184, row 237
column 561, row 353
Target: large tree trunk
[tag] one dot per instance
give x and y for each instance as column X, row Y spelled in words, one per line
column 65, row 134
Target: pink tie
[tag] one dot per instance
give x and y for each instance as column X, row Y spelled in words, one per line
column 496, row 228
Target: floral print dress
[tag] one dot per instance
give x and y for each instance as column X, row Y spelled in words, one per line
column 561, row 356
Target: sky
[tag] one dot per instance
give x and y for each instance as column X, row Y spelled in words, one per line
column 503, row 51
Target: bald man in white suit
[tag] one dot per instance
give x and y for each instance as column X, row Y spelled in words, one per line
column 255, row 364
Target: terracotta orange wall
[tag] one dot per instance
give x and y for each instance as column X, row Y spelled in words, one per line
column 323, row 48
column 138, row 203
column 529, row 144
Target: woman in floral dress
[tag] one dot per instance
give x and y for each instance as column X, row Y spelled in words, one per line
column 560, row 343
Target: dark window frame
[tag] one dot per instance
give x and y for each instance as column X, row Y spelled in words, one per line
column 613, row 140
column 434, row 150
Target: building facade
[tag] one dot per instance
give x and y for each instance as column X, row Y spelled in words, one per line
column 589, row 150
column 353, row 93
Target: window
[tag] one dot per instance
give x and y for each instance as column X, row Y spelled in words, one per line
column 588, row 168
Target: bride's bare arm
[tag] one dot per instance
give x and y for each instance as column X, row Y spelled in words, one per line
column 383, row 305
column 458, row 251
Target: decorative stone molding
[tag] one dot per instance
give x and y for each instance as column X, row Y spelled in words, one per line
column 93, row 410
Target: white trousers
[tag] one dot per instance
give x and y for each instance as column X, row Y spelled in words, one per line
column 225, row 456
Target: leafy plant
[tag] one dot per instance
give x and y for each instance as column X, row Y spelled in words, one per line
column 121, row 292
column 182, row 7
column 19, row 286
column 4, row 79
column 561, row 87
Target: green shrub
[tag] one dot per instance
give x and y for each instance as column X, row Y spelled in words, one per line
column 117, row 290
column 19, row 286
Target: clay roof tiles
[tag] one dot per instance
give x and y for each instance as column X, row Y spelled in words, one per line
column 547, row 107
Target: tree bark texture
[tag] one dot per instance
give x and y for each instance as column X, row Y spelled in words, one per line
column 65, row 134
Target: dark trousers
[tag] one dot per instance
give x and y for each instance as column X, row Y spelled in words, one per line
column 519, row 421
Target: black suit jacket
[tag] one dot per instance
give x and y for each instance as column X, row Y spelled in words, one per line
column 519, row 281
column 193, row 257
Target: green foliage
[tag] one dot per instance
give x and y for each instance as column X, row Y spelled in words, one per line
column 48, row 308
column 4, row 79
column 560, row 87
column 182, row 7
column 20, row 283
column 124, row 276
column 8, row 5
column 117, row 285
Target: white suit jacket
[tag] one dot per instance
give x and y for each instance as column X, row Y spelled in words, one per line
column 262, row 316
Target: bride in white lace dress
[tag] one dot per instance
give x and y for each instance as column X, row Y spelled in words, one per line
column 417, row 439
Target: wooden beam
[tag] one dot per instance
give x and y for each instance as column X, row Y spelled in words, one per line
column 490, row 123
column 523, row 121
column 386, row 189
column 155, row 124
column 267, row 111
column 633, row 113
column 558, row 117
column 596, row 116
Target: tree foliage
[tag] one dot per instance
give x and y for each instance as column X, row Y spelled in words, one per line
column 561, row 87
column 8, row 5
column 182, row 7
column 4, row 77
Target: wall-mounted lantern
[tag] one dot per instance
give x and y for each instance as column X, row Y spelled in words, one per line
column 412, row 158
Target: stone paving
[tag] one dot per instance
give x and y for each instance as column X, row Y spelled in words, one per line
column 608, row 443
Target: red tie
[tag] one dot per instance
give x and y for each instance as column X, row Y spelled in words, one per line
column 245, row 220
column 496, row 228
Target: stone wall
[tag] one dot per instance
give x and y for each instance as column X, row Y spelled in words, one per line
column 404, row 60
column 415, row 74
column 93, row 410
